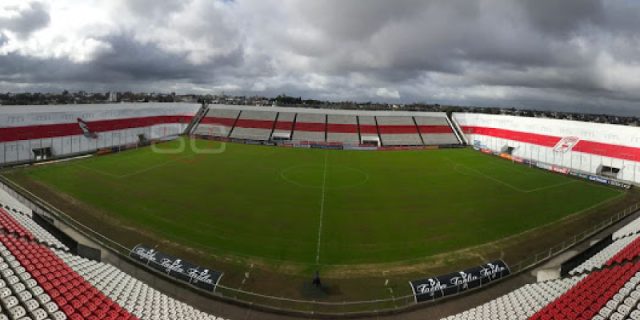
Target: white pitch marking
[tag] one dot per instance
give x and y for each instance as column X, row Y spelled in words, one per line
column 127, row 175
column 480, row 173
column 324, row 184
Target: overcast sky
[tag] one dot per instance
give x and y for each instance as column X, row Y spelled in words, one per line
column 558, row 54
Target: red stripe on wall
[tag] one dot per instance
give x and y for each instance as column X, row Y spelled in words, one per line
column 584, row 146
column 533, row 138
column 39, row 132
column 368, row 129
column 254, row 124
column 434, row 129
column 118, row 124
column 398, row 129
column 284, row 125
column 70, row 129
column 218, row 121
column 310, row 126
column 342, row 128
column 608, row 150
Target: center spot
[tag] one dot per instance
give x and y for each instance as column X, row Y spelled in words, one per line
column 311, row 176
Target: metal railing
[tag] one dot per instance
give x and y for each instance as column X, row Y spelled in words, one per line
column 301, row 306
column 542, row 256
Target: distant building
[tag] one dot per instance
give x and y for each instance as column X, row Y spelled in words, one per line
column 113, row 97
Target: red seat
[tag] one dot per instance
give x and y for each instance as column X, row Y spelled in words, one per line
column 77, row 298
column 587, row 297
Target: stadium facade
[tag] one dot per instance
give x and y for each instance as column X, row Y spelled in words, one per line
column 79, row 129
column 593, row 148
column 29, row 133
column 43, row 279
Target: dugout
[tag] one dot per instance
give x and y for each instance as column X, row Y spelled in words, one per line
column 370, row 141
column 40, row 154
column 281, row 136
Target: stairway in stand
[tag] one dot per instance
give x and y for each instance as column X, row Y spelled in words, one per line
column 202, row 112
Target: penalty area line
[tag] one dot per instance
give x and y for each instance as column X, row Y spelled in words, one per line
column 324, row 184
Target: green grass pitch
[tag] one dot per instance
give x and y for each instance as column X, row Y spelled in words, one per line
column 321, row 207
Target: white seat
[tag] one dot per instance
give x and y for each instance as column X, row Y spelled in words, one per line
column 10, row 302
column 17, row 312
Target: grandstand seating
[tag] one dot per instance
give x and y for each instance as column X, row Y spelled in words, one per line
column 28, row 226
column 310, row 127
column 11, row 226
column 521, row 303
column 44, row 284
column 604, row 294
column 40, row 280
column 368, row 126
column 600, row 290
column 435, row 130
column 628, row 253
column 217, row 122
column 133, row 295
column 629, row 229
column 71, row 293
column 623, row 304
column 9, row 202
column 343, row 129
column 340, row 127
column 20, row 293
column 606, row 286
column 601, row 258
column 254, row 125
column 398, row 131
column 284, row 125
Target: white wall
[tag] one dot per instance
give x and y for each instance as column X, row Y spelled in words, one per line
column 603, row 133
column 598, row 132
column 19, row 116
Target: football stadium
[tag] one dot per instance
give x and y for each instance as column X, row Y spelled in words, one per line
column 210, row 211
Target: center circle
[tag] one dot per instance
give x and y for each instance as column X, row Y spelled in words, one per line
column 314, row 176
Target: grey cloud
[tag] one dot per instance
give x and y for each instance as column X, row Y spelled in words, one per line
column 22, row 69
column 201, row 28
column 563, row 17
column 153, row 9
column 533, row 52
column 622, row 16
column 534, row 45
column 34, row 18
column 355, row 20
column 128, row 62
